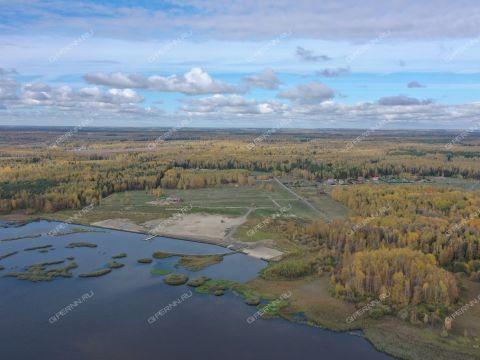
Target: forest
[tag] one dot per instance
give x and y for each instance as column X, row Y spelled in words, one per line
column 37, row 177
column 409, row 237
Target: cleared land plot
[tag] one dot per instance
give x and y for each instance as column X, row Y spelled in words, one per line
column 327, row 206
column 132, row 209
column 233, row 196
column 193, row 226
column 459, row 184
column 229, row 200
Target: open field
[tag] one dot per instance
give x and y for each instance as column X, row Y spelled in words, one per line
column 213, row 228
column 327, row 208
column 136, row 211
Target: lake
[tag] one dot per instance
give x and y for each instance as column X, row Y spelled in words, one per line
column 111, row 323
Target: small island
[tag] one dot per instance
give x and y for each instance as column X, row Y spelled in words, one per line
column 175, row 279
column 95, row 273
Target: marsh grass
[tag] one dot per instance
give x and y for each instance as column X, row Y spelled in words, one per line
column 43, row 271
column 41, row 247
column 288, row 269
column 210, row 286
column 95, row 273
column 162, row 255
column 145, row 261
column 272, row 308
column 4, row 256
column 81, row 244
column 198, row 262
column 115, row 265
column 72, row 231
column 198, row 281
column 160, row 272
column 175, row 279
column 252, row 301
column 22, row 237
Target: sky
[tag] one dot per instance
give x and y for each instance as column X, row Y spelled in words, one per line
column 397, row 64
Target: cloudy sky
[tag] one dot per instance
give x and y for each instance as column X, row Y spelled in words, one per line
column 268, row 63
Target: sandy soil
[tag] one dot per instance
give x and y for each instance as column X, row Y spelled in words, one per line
column 120, row 224
column 262, row 252
column 211, row 227
column 160, row 202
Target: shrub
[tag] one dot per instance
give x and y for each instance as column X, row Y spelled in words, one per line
column 288, row 269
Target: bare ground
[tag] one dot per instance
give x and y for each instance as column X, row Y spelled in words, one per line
column 120, row 224
column 262, row 252
column 211, row 227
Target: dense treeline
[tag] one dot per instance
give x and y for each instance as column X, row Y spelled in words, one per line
column 405, row 241
column 42, row 179
column 51, row 185
column 178, row 178
column 55, row 185
column 403, row 275
column 442, row 222
column 334, row 168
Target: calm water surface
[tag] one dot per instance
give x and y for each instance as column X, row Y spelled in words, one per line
column 112, row 324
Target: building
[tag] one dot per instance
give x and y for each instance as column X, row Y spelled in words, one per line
column 331, row 182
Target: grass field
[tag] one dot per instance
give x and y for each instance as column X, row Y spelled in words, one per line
column 228, row 200
column 328, row 207
column 459, row 184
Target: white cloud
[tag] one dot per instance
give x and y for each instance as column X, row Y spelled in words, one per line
column 331, row 72
column 259, row 19
column 402, row 100
column 308, row 55
column 4, row 71
column 313, row 92
column 232, row 104
column 414, row 84
column 265, row 79
column 194, row 82
column 414, row 115
column 312, row 106
column 8, row 89
column 65, row 96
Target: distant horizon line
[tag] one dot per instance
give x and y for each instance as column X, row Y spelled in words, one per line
column 178, row 129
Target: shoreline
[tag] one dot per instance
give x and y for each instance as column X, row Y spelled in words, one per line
column 388, row 349
column 281, row 316
column 199, row 240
